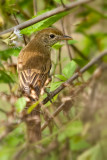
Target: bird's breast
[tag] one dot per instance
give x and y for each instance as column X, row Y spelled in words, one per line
column 40, row 62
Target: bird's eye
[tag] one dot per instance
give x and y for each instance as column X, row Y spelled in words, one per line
column 52, row 35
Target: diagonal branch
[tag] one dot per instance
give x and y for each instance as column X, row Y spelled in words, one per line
column 53, row 115
column 75, row 76
column 61, row 107
column 46, row 15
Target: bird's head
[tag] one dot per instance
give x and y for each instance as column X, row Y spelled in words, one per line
column 50, row 36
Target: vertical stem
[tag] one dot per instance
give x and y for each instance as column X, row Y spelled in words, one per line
column 60, row 66
column 35, row 7
column 55, row 65
column 68, row 48
column 63, row 3
column 79, row 52
column 17, row 22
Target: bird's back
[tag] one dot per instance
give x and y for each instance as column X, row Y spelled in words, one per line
column 33, row 69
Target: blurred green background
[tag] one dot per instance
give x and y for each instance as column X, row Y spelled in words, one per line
column 79, row 132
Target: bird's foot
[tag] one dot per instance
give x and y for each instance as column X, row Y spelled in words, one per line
column 48, row 94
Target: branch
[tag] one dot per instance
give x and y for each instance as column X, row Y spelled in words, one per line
column 53, row 115
column 17, row 22
column 71, row 98
column 69, row 52
column 61, row 107
column 75, row 76
column 46, row 15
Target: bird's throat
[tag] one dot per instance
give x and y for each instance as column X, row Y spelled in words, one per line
column 38, row 47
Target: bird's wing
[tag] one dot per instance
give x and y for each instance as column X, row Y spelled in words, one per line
column 33, row 71
column 31, row 82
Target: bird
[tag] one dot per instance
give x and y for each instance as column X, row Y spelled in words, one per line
column 34, row 65
column 34, row 61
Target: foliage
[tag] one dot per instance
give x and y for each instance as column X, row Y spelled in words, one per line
column 20, row 104
column 43, row 24
column 79, row 130
column 5, row 54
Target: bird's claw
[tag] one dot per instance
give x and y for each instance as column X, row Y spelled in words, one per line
column 48, row 94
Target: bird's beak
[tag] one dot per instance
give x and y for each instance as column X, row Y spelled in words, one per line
column 64, row 37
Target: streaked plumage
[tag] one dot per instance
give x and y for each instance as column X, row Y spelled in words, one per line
column 31, row 80
column 34, row 62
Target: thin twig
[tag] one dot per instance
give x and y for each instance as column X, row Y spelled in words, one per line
column 17, row 22
column 53, row 115
column 46, row 15
column 59, row 57
column 35, row 7
column 21, row 11
column 79, row 52
column 63, row 4
column 59, row 130
column 69, row 52
column 55, row 65
column 71, row 98
column 61, row 107
column 75, row 76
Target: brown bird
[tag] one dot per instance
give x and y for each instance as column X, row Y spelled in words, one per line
column 34, row 64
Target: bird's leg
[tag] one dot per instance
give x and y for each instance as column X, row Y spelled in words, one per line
column 44, row 89
column 48, row 94
column 49, row 79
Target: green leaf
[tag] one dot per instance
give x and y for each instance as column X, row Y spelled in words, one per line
column 72, row 129
column 90, row 154
column 69, row 69
column 30, row 109
column 77, row 143
column 5, row 77
column 11, row 141
column 90, row 19
column 61, row 77
column 55, row 85
column 1, row 65
column 5, row 54
column 44, row 23
column 80, row 62
column 103, row 43
column 59, row 1
column 72, row 41
column 20, row 104
column 96, row 152
column 42, row 11
column 57, row 46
